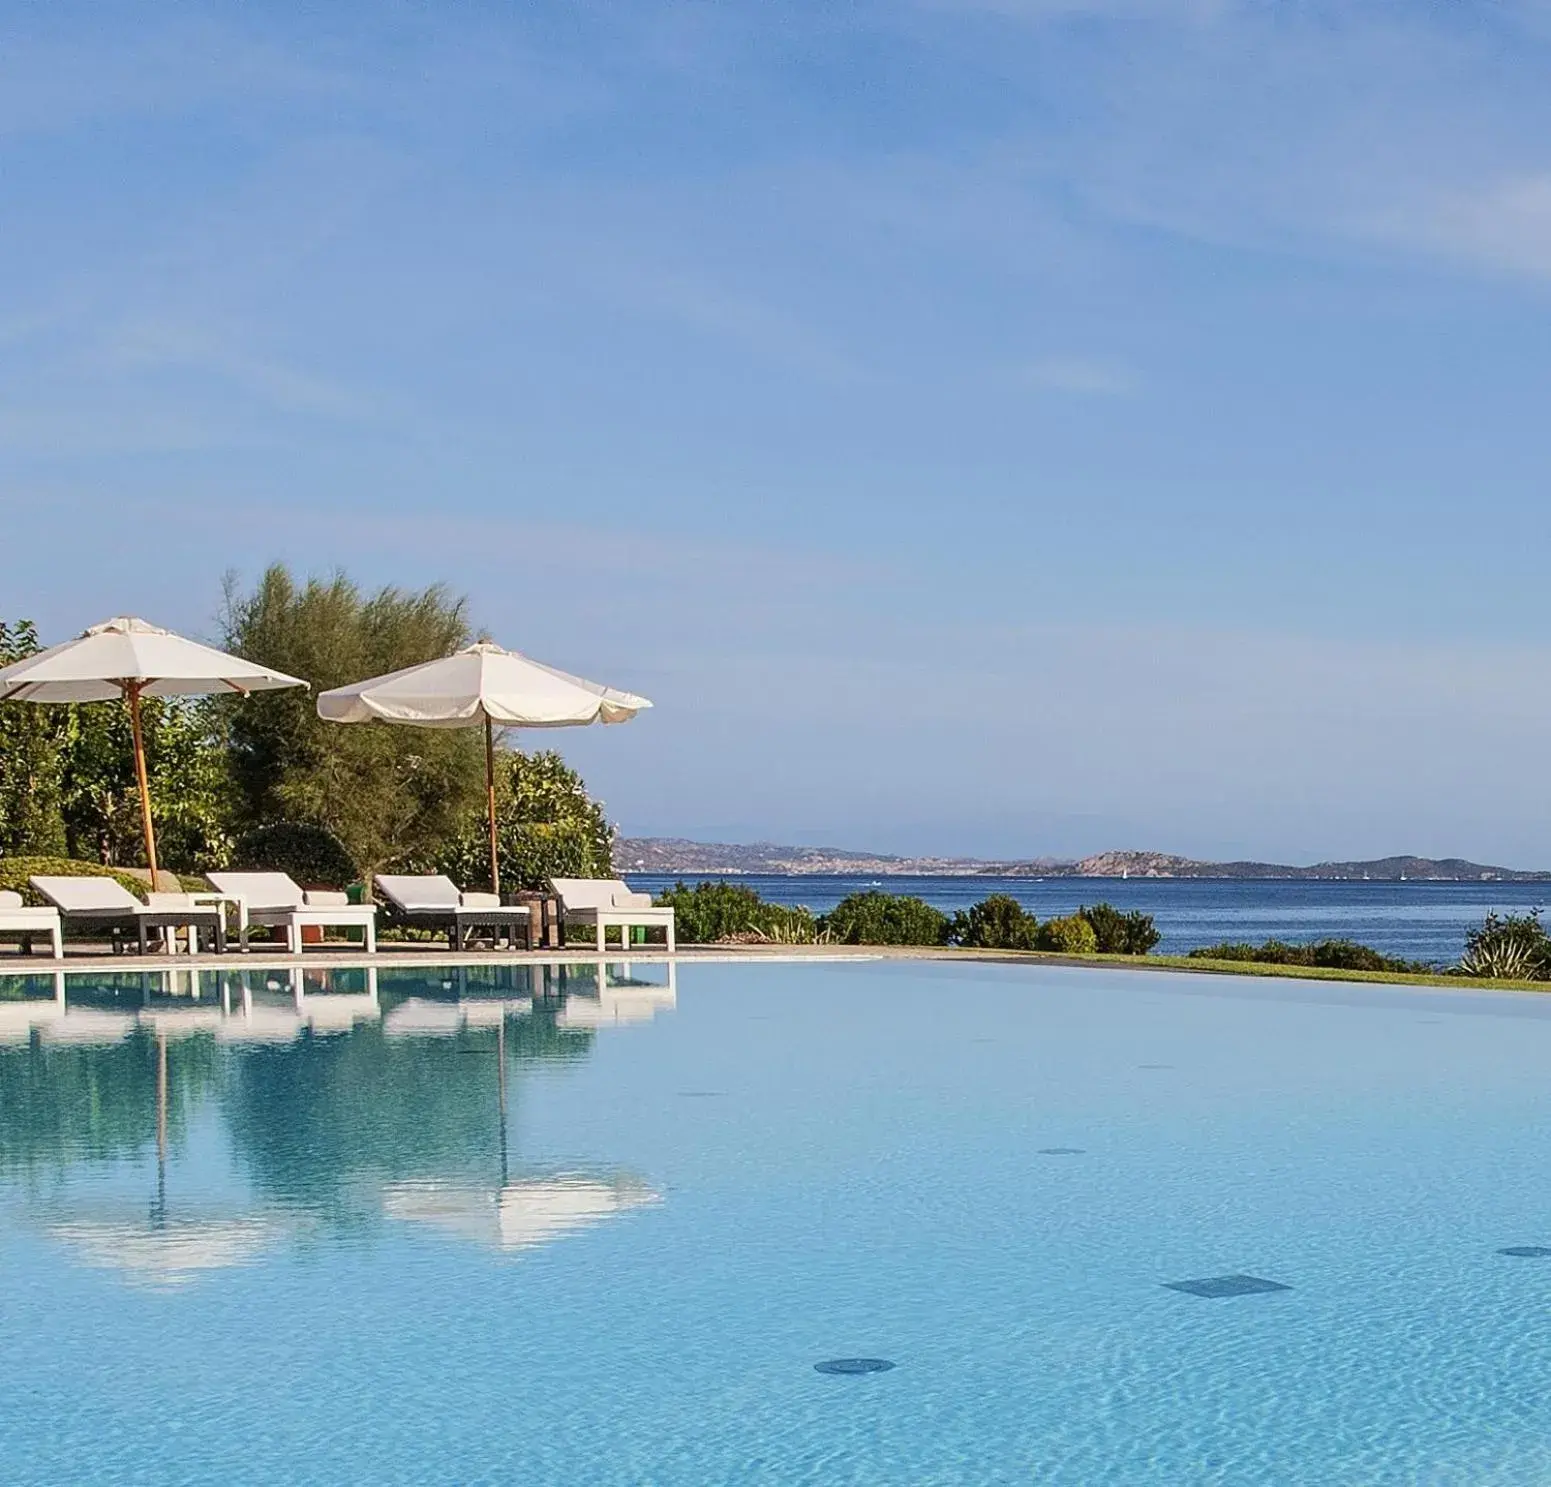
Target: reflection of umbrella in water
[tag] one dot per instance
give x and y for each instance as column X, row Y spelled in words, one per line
column 166, row 1254
column 522, row 1214
column 154, row 1249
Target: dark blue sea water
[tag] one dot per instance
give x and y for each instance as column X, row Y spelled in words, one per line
column 1421, row 921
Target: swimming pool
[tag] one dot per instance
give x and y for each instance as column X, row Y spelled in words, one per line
column 496, row 1225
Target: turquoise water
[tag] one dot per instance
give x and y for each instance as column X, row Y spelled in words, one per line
column 494, row 1227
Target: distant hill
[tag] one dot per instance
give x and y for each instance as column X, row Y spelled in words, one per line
column 1379, row 870
column 677, row 855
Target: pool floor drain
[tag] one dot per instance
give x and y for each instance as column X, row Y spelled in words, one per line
column 1059, row 1151
column 853, row 1365
column 1227, row 1285
column 1527, row 1251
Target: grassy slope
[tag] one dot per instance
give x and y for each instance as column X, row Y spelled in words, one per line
column 1167, row 963
column 1259, row 968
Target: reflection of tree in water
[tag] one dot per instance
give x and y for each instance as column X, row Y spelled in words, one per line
column 322, row 1123
column 61, row 1105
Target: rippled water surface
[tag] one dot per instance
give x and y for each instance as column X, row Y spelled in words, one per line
column 505, row 1225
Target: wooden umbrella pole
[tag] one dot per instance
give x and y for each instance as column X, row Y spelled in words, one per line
column 161, row 1128
column 161, row 1096
column 132, row 692
column 495, row 863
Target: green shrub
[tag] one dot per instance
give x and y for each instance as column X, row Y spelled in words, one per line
column 1121, row 934
column 709, row 912
column 1338, row 955
column 999, row 922
column 312, row 855
column 1072, row 935
column 875, row 918
column 1228, row 950
column 15, row 871
column 1508, row 947
column 1347, row 955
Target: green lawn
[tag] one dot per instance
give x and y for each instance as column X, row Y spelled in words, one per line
column 1258, row 968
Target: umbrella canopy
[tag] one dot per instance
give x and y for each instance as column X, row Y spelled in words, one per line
column 110, row 658
column 126, row 657
column 482, row 684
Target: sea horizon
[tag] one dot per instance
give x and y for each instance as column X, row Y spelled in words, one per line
column 1424, row 920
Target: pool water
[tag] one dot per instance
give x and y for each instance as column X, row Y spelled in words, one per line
column 513, row 1226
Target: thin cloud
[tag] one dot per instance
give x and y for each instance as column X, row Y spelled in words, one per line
column 173, row 346
column 1291, row 130
column 769, row 331
column 1082, row 376
column 1504, row 224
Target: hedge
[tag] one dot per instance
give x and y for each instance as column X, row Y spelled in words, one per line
column 15, row 871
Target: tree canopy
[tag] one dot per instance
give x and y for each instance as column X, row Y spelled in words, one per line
column 547, row 826
column 263, row 777
column 31, row 818
column 391, row 795
column 67, row 778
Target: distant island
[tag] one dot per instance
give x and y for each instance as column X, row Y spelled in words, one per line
column 676, row 855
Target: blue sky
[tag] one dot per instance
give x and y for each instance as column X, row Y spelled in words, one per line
column 983, row 426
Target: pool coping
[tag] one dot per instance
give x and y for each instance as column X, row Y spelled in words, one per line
column 434, row 954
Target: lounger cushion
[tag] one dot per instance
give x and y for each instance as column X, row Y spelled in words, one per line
column 9, row 900
column 587, row 893
column 261, row 890
column 474, row 900
column 593, row 895
column 419, row 893
column 86, row 895
column 27, row 916
column 326, row 898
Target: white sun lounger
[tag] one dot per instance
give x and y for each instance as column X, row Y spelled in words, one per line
column 27, row 920
column 605, row 902
column 274, row 900
column 435, row 902
column 105, row 902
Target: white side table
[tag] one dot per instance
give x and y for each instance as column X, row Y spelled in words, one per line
column 219, row 901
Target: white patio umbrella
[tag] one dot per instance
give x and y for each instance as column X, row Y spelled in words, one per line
column 127, row 658
column 480, row 684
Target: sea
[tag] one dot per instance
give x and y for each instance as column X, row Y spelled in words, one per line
column 1423, row 921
